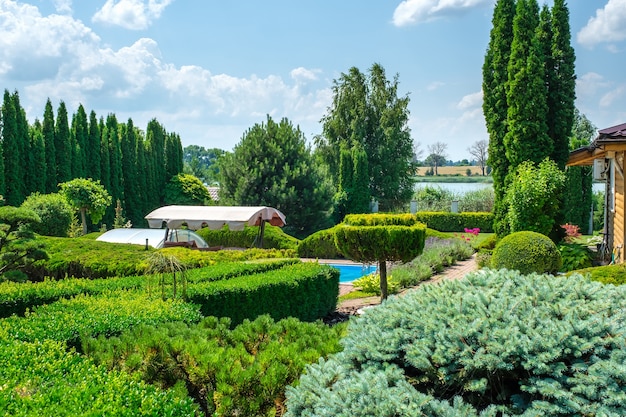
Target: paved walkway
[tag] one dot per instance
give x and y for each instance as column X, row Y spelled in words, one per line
column 456, row 271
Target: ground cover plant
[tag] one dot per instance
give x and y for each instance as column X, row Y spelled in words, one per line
column 512, row 344
column 242, row 371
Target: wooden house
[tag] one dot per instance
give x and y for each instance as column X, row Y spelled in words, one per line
column 606, row 155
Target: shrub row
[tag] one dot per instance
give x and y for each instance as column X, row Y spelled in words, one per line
column 320, row 245
column 239, row 372
column 108, row 314
column 380, row 219
column 15, row 298
column 42, row 379
column 273, row 237
column 456, row 222
column 307, row 291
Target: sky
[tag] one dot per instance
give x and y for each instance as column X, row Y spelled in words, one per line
column 210, row 70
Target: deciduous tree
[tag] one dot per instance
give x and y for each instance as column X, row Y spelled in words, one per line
column 479, row 151
column 88, row 197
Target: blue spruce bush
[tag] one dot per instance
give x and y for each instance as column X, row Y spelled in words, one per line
column 497, row 343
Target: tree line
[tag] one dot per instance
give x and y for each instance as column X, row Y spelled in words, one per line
column 132, row 165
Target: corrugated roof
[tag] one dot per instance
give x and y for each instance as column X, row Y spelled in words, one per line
column 613, row 132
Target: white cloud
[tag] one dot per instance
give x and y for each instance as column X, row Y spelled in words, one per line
column 612, row 96
column 410, row 12
column 606, row 26
column 435, row 85
column 589, row 84
column 471, row 101
column 130, row 14
column 301, row 74
column 63, row 6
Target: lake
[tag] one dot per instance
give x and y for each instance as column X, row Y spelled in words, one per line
column 461, row 188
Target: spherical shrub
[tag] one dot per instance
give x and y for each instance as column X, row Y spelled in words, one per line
column 55, row 213
column 527, row 252
column 497, row 343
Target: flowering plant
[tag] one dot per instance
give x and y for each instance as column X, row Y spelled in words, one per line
column 471, row 232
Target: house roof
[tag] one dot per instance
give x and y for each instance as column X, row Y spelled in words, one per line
column 214, row 217
column 611, row 139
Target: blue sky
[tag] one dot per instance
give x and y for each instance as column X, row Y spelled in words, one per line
column 210, row 70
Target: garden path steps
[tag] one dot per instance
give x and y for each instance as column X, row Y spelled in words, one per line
column 456, row 271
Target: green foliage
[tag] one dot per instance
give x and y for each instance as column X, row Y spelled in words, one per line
column 18, row 246
column 164, row 265
column 17, row 298
column 497, row 343
column 201, row 162
column 380, row 243
column 607, row 274
column 88, row 197
column 273, row 237
column 307, row 291
column 53, row 210
column 574, row 256
column 481, row 200
column 527, row 252
column 242, row 371
column 273, row 166
column 185, row 189
column 107, row 314
column 320, row 245
column 437, row 255
column 43, row 379
column 534, row 196
column 456, row 222
column 430, row 198
column 380, row 219
column 370, row 284
column 368, row 113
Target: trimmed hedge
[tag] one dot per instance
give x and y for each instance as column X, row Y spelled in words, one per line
column 16, row 298
column 380, row 219
column 527, row 252
column 307, row 291
column 456, row 222
column 377, row 243
column 608, row 274
column 496, row 343
column 43, row 379
column 273, row 237
column 320, row 245
column 108, row 314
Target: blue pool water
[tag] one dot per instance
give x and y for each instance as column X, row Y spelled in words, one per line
column 348, row 273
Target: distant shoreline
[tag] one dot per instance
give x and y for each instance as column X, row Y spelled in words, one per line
column 453, row 179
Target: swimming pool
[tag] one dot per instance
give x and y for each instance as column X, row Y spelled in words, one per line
column 348, row 273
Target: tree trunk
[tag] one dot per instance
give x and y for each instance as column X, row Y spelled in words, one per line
column 382, row 269
column 83, row 218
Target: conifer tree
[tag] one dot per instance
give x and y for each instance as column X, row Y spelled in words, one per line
column 116, row 189
column 14, row 194
column 105, row 167
column 23, row 146
column 173, row 155
column 495, row 78
column 92, row 151
column 562, row 87
column 36, row 173
column 130, row 173
column 2, row 180
column 155, row 135
column 47, row 129
column 62, row 145
column 144, row 204
column 80, row 131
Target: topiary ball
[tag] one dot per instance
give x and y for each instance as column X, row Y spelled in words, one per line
column 527, row 252
column 496, row 343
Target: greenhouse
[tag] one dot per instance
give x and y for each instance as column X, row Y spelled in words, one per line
column 154, row 237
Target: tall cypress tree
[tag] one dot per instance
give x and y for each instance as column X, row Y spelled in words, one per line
column 36, row 174
column 47, row 130
column 2, row 180
column 562, row 87
column 115, row 163
column 79, row 134
column 23, row 147
column 92, row 149
column 132, row 204
column 12, row 158
column 155, row 134
column 173, row 155
column 62, row 145
column 105, row 166
column 144, row 205
column 495, row 78
column 527, row 138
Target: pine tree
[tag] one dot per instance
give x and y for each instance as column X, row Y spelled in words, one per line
column 47, row 130
column 495, row 77
column 62, row 145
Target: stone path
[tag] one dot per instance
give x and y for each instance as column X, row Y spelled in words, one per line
column 456, row 271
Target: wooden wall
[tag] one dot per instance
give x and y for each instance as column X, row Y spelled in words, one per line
column 619, row 230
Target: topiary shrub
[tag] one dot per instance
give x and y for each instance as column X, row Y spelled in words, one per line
column 527, row 252
column 497, row 343
column 55, row 213
column 320, row 245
